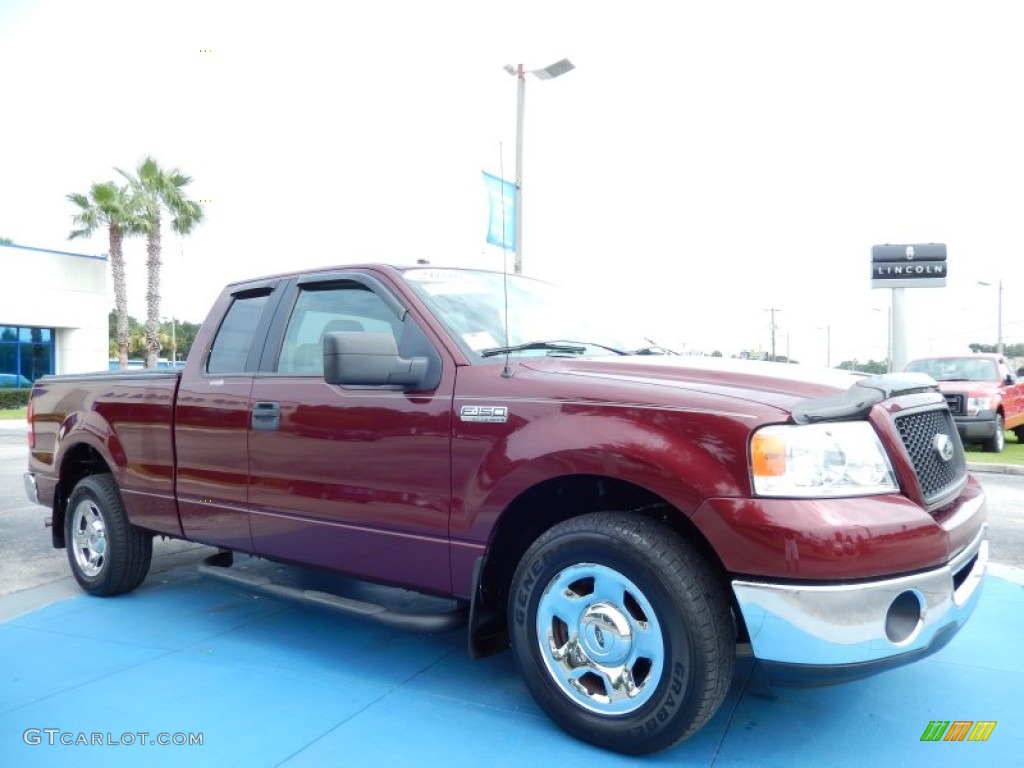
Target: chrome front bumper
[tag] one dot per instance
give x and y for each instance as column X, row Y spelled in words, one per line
column 865, row 626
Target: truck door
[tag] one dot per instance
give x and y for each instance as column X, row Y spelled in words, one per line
column 353, row 478
column 212, row 421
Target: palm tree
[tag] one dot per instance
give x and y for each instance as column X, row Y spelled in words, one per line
column 110, row 206
column 158, row 191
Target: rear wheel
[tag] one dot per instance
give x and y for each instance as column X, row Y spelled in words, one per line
column 1019, row 432
column 108, row 555
column 997, row 442
column 621, row 632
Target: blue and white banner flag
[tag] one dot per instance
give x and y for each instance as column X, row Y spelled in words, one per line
column 501, row 228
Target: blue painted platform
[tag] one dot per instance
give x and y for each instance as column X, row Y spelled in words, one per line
column 272, row 683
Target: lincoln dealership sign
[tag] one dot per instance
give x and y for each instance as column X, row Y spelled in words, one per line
column 909, row 266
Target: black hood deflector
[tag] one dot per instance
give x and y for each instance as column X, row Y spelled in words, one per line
column 855, row 402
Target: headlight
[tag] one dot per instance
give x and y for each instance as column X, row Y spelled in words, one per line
column 976, row 405
column 833, row 459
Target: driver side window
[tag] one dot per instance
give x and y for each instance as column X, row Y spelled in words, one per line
column 320, row 310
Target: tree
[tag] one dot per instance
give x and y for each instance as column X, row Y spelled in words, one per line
column 110, row 206
column 136, row 337
column 868, row 366
column 182, row 333
column 1009, row 350
column 158, row 191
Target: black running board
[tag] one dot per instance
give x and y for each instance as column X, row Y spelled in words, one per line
column 218, row 566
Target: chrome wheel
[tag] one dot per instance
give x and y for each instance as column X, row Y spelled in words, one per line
column 997, row 442
column 89, row 538
column 621, row 631
column 108, row 555
column 600, row 639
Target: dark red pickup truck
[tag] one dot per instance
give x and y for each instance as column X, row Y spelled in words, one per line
column 626, row 521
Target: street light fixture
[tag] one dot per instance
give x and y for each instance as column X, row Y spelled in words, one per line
column 999, row 316
column 549, row 72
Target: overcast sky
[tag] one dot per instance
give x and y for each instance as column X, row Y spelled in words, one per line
column 705, row 162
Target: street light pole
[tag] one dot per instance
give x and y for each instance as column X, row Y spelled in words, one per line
column 549, row 72
column 999, row 327
column 999, row 314
column 520, row 112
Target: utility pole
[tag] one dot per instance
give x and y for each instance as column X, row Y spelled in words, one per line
column 773, row 310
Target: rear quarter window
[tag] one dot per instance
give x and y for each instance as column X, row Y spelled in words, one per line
column 234, row 340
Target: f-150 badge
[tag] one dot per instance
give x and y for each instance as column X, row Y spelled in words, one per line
column 493, row 414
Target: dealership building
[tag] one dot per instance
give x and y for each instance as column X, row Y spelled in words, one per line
column 53, row 313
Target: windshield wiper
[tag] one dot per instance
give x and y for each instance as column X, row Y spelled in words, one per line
column 554, row 346
column 570, row 347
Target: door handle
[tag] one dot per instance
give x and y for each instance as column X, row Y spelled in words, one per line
column 266, row 416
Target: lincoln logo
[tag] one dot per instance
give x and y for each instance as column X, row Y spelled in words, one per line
column 943, row 446
column 910, row 253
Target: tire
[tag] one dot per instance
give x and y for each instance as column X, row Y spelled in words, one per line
column 108, row 555
column 621, row 633
column 1019, row 432
column 997, row 442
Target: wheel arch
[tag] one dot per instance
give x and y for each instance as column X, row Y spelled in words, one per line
column 79, row 460
column 544, row 505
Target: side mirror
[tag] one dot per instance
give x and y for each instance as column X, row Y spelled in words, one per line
column 367, row 359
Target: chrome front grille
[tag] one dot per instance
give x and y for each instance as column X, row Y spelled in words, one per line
column 918, row 431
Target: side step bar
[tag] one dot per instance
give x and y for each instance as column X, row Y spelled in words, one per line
column 218, row 566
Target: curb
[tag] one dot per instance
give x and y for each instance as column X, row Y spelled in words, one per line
column 995, row 469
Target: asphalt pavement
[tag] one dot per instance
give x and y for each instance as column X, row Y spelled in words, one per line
column 259, row 681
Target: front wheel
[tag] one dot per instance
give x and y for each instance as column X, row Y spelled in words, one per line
column 621, row 633
column 997, row 442
column 108, row 555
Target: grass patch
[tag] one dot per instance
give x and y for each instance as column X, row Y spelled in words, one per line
column 10, row 414
column 1013, row 453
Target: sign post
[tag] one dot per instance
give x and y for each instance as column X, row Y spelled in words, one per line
column 906, row 266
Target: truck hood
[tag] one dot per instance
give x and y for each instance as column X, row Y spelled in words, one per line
column 654, row 379
column 980, row 388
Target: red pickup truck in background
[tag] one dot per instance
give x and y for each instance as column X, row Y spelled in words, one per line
column 626, row 521
column 984, row 396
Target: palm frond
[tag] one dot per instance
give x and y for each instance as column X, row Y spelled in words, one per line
column 78, row 199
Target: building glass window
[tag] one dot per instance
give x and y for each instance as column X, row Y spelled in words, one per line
column 26, row 353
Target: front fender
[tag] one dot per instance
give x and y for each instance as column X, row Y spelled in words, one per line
column 680, row 461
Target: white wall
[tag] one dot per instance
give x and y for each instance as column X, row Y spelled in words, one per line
column 59, row 290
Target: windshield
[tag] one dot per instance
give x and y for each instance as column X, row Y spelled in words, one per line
column 956, row 369
column 543, row 319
